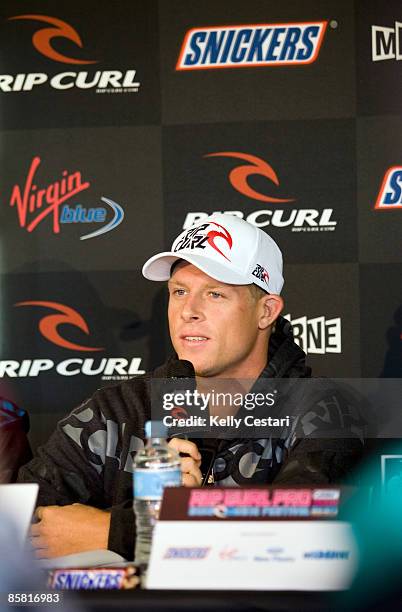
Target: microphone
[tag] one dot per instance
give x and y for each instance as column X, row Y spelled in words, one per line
column 208, row 447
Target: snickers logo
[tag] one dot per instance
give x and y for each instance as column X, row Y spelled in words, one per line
column 390, row 195
column 245, row 46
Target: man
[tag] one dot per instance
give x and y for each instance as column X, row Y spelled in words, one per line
column 224, row 278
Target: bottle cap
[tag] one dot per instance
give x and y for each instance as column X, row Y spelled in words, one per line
column 155, row 429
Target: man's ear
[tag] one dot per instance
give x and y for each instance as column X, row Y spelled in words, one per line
column 271, row 307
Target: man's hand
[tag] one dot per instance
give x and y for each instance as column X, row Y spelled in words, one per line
column 64, row 530
column 190, row 465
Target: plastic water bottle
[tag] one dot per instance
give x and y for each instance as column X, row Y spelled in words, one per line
column 155, row 467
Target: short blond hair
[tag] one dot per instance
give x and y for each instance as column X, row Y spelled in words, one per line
column 256, row 292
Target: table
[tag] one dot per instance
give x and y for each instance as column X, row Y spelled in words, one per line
column 207, row 601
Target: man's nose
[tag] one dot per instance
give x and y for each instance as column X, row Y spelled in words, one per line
column 192, row 309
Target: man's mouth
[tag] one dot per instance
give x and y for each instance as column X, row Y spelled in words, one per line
column 194, row 339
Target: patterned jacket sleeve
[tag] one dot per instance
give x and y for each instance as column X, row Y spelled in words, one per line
column 64, row 467
column 88, row 460
column 328, row 443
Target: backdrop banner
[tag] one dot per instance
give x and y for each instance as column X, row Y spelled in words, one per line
column 124, row 123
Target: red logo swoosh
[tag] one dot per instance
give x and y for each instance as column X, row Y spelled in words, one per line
column 42, row 38
column 225, row 235
column 238, row 176
column 49, row 324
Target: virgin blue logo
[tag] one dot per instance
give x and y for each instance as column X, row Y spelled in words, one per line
column 46, row 202
column 79, row 214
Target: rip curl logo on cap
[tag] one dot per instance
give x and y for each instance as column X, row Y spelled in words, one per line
column 261, row 273
column 198, row 238
column 226, row 236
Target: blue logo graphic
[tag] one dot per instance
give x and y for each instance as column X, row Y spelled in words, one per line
column 327, row 554
column 79, row 214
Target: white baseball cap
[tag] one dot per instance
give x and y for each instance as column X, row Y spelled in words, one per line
column 226, row 248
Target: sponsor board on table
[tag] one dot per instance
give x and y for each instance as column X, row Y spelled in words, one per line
column 254, row 503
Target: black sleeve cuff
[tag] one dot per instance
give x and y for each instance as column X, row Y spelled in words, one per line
column 122, row 530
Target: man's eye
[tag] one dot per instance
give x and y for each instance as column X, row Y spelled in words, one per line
column 215, row 294
column 179, row 292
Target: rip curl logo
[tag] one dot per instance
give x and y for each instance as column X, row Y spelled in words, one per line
column 42, row 39
column 239, row 176
column 48, row 325
column 261, row 273
column 225, row 235
column 59, row 42
column 35, row 205
column 197, row 238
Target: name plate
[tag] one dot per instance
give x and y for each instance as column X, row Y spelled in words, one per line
column 231, row 549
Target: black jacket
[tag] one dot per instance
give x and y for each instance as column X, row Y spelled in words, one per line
column 14, row 446
column 88, row 459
